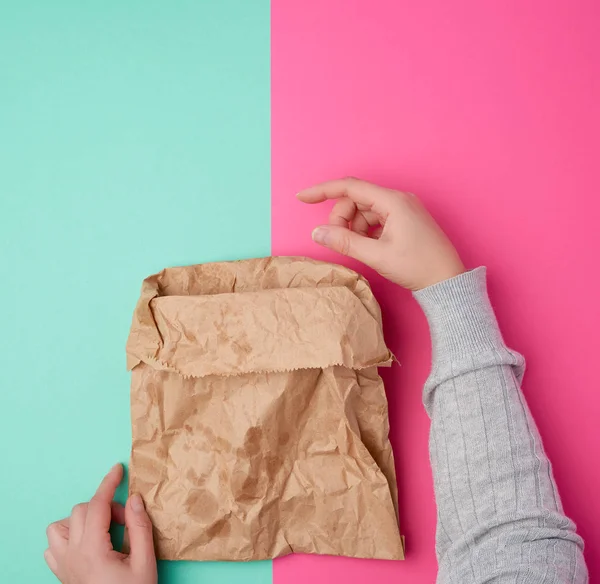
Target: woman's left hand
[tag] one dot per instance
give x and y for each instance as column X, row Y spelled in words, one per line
column 79, row 547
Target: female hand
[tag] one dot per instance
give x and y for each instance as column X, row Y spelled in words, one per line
column 388, row 230
column 79, row 547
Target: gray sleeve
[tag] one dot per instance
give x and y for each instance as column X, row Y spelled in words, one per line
column 500, row 518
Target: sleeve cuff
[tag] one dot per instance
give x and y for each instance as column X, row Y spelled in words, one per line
column 460, row 316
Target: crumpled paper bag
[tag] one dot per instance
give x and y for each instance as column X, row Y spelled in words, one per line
column 260, row 423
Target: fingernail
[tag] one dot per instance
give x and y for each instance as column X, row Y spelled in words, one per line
column 136, row 503
column 320, row 235
column 115, row 467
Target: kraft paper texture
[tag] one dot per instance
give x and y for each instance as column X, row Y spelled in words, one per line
column 259, row 421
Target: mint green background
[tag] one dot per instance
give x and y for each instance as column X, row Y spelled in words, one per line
column 134, row 135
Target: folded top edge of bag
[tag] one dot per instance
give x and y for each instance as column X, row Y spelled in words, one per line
column 261, row 315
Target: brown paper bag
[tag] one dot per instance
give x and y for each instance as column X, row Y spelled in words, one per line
column 260, row 424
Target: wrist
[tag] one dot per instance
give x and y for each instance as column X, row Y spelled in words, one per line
column 441, row 275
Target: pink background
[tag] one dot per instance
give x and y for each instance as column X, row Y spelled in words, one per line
column 489, row 111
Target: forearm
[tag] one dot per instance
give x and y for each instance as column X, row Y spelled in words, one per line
column 499, row 514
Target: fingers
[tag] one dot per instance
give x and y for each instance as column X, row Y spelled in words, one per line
column 343, row 212
column 63, row 523
column 57, row 534
column 370, row 196
column 377, row 232
column 139, row 526
column 109, row 484
column 99, row 510
column 117, row 513
column 346, row 213
column 80, row 548
column 51, row 561
column 77, row 522
column 361, row 224
column 90, row 519
column 348, row 243
column 58, row 542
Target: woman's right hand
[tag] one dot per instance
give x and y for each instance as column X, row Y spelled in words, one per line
column 388, row 230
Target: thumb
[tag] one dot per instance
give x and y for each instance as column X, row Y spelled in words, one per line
column 347, row 242
column 139, row 526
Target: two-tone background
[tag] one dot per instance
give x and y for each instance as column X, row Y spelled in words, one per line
column 141, row 134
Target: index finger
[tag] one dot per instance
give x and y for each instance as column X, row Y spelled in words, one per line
column 368, row 195
column 99, row 510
